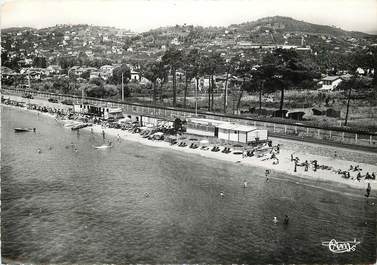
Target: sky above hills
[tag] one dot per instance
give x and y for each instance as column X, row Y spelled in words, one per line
column 142, row 15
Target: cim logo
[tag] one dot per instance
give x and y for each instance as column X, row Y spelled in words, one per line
column 341, row 246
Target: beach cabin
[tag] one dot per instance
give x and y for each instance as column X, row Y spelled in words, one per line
column 203, row 127
column 329, row 83
column 99, row 111
column 225, row 130
column 241, row 133
column 113, row 113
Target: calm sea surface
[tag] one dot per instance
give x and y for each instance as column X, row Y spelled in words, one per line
column 90, row 206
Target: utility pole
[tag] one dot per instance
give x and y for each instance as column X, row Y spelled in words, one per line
column 226, row 92
column 196, row 96
column 348, row 105
column 28, row 79
column 122, row 88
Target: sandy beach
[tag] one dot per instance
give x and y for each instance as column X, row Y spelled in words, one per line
column 285, row 165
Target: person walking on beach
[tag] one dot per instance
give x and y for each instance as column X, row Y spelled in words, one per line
column 335, row 154
column 295, row 170
column 118, row 137
column 103, row 135
column 306, row 165
column 368, row 190
column 91, row 130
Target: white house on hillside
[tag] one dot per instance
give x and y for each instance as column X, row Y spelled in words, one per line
column 135, row 76
column 330, row 82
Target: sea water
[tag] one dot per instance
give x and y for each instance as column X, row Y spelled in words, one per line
column 91, row 206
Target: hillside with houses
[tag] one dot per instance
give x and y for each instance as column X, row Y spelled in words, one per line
column 227, row 69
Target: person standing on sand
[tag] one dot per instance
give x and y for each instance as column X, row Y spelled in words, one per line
column 315, row 164
column 245, row 184
column 103, row 135
column 118, row 137
column 335, row 154
column 91, row 130
column 358, row 177
column 295, row 170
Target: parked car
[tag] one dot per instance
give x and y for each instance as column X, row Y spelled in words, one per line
column 53, row 100
column 67, row 102
column 28, row 96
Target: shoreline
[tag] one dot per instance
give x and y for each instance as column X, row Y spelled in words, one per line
column 285, row 166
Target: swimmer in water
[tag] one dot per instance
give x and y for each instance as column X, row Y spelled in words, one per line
column 286, row 219
column 275, row 220
column 39, row 151
column 267, row 173
column 368, row 190
column 222, row 194
column 146, row 195
column 76, row 150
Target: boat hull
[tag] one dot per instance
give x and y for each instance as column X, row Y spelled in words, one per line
column 19, row 130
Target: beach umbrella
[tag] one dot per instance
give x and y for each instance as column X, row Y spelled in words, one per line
column 204, row 142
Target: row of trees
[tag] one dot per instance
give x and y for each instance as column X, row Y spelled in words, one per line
column 279, row 70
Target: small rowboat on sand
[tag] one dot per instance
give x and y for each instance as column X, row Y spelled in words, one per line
column 104, row 146
column 24, row 130
column 79, row 126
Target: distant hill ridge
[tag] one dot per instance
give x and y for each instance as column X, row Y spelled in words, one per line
column 288, row 24
column 276, row 23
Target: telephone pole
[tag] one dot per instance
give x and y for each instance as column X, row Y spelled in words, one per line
column 28, row 79
column 122, row 88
